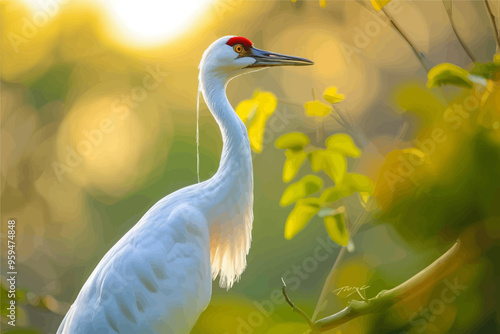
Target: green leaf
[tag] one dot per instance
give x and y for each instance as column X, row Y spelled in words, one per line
column 379, row 4
column 332, row 96
column 333, row 163
column 308, row 185
column 333, row 194
column 292, row 141
column 485, row 70
column 317, row 108
column 335, row 226
column 343, row 143
column 358, row 183
column 294, row 160
column 352, row 183
column 303, row 211
column 448, row 74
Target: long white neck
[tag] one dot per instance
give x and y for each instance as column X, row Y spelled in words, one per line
column 234, row 133
column 230, row 190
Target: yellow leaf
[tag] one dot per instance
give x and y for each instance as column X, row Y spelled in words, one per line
column 335, row 226
column 317, row 108
column 335, row 166
column 292, row 140
column 308, row 185
column 332, row 96
column 333, row 163
column 448, row 74
column 343, row 143
column 294, row 160
column 303, row 211
column 316, row 158
column 246, row 109
column 322, row 3
column 256, row 132
column 266, row 104
column 379, row 4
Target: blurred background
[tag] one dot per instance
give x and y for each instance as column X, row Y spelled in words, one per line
column 98, row 116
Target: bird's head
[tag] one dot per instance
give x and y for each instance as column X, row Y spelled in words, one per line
column 231, row 56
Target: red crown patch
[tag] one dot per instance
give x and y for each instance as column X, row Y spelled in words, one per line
column 240, row 40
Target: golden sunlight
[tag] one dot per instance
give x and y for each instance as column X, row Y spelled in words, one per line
column 151, row 22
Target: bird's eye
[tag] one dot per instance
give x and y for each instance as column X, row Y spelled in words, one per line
column 238, row 48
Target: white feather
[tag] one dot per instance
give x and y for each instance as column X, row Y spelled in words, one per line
column 157, row 277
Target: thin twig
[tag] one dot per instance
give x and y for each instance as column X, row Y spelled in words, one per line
column 337, row 119
column 295, row 308
column 493, row 22
column 464, row 46
column 346, row 122
column 417, row 53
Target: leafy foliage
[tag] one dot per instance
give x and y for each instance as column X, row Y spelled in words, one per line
column 449, row 180
column 334, row 164
column 335, row 226
column 293, row 162
column 344, row 144
column 317, row 108
column 332, row 96
column 486, row 70
column 332, row 160
column 448, row 74
column 308, row 185
column 303, row 211
column 320, row 109
column 294, row 140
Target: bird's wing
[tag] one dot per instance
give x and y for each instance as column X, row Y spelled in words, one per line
column 156, row 279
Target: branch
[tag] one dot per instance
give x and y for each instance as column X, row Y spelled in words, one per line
column 418, row 54
column 295, row 308
column 464, row 46
column 493, row 23
column 467, row 247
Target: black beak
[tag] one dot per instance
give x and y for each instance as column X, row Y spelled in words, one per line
column 267, row 59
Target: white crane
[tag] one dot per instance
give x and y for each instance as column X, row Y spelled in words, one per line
column 158, row 277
